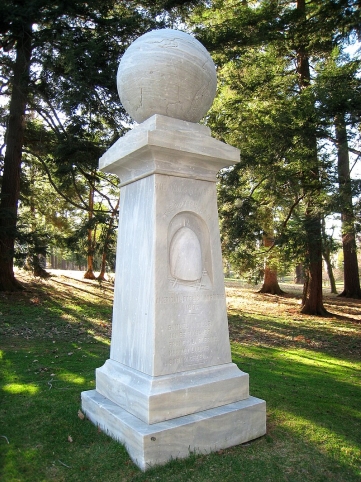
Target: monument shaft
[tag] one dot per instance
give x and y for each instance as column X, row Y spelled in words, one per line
column 170, row 376
column 171, row 306
column 169, row 386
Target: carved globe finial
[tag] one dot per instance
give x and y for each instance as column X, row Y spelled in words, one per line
column 166, row 72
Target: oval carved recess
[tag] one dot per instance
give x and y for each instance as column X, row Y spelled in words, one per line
column 185, row 255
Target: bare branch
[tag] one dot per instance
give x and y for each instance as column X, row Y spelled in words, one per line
column 354, row 164
column 86, row 175
column 49, row 120
column 55, row 114
column 257, row 186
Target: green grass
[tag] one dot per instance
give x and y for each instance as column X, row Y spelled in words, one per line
column 53, row 337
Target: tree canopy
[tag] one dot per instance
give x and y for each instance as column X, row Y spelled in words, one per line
column 273, row 104
column 288, row 97
column 57, row 67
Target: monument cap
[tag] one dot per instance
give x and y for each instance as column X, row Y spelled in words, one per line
column 167, row 72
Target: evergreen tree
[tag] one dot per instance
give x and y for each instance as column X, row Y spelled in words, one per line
column 297, row 35
column 61, row 58
column 339, row 96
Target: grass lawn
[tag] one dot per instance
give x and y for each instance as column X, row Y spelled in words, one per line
column 308, row 369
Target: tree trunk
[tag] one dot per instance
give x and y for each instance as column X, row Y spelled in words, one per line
column 326, row 251
column 312, row 303
column 300, row 275
column 12, row 162
column 101, row 276
column 351, row 273
column 34, row 259
column 270, row 281
column 327, row 258
column 89, row 274
column 312, row 299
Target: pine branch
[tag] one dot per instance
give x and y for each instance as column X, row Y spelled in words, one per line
column 76, row 188
column 294, row 205
column 83, row 207
column 257, row 186
column 44, row 115
column 88, row 177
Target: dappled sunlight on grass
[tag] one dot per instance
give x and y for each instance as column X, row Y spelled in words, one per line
column 23, row 388
column 333, row 361
column 318, row 395
column 331, row 364
column 255, row 320
column 55, row 307
column 301, row 363
column 307, row 369
column 325, row 439
column 66, row 376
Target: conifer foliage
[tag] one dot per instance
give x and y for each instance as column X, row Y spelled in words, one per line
column 58, row 65
column 270, row 56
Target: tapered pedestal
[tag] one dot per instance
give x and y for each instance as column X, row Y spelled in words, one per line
column 170, row 386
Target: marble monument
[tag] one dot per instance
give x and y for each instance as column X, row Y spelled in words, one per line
column 169, row 387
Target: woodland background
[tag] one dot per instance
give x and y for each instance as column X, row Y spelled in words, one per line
column 289, row 97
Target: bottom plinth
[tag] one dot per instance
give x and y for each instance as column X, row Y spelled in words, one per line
column 158, row 443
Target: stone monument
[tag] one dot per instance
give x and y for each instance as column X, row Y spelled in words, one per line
column 169, row 387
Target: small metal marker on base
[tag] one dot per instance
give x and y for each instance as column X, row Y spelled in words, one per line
column 170, row 387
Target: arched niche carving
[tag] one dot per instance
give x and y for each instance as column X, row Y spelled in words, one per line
column 189, row 253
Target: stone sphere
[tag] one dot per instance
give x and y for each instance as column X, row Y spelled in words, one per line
column 166, row 72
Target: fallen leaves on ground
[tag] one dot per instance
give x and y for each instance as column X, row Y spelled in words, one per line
column 275, row 321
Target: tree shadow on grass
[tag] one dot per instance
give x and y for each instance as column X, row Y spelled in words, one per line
column 308, row 387
column 106, row 290
column 44, row 311
column 313, row 427
column 40, row 400
column 333, row 337
column 300, row 369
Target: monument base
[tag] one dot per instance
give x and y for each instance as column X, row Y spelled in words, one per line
column 158, row 443
column 155, row 399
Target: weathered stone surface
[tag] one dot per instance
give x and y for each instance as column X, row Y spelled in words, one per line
column 168, row 146
column 167, row 72
column 201, row 432
column 162, row 324
column 185, row 256
column 155, row 399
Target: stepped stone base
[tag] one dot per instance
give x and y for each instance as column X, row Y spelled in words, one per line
column 155, row 399
column 158, row 443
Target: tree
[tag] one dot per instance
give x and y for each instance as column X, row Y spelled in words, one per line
column 10, row 187
column 296, row 34
column 91, row 238
column 108, row 236
column 312, row 303
column 65, row 55
column 339, row 95
column 270, row 280
column 328, row 246
column 299, row 274
column 17, row 33
column 88, row 196
column 254, row 111
column 351, row 274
